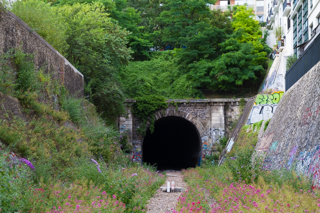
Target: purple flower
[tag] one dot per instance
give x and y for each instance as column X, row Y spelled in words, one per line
column 134, row 174
column 95, row 162
column 28, row 163
column 98, row 167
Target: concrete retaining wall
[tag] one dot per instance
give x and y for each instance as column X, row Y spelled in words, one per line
column 292, row 139
column 15, row 33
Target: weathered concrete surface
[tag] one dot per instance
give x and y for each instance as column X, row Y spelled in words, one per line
column 211, row 117
column 15, row 33
column 292, row 139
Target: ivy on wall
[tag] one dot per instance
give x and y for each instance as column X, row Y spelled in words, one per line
column 145, row 107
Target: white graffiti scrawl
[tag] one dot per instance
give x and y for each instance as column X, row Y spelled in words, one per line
column 211, row 136
column 261, row 112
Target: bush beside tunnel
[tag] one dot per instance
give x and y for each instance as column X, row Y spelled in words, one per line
column 175, row 144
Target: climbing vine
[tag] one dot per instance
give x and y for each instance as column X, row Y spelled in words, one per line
column 144, row 108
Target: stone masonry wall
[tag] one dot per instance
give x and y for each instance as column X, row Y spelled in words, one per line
column 292, row 139
column 210, row 117
column 15, row 33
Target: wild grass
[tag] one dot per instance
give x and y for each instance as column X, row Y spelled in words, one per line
column 61, row 156
column 241, row 184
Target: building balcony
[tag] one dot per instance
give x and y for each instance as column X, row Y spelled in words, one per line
column 296, row 5
column 270, row 13
column 272, row 17
column 276, row 7
column 280, row 45
column 286, row 8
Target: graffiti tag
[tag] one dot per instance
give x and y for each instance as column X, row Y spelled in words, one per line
column 268, row 99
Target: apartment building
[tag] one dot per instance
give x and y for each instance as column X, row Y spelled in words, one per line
column 292, row 26
column 298, row 19
column 257, row 5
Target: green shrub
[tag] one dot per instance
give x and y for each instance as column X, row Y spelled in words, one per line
column 26, row 75
column 290, row 61
column 223, row 142
column 14, row 177
column 74, row 108
column 145, row 107
column 257, row 126
column 7, row 75
column 241, row 166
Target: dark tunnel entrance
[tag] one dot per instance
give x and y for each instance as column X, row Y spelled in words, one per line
column 175, row 144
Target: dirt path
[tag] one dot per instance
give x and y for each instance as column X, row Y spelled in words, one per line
column 163, row 202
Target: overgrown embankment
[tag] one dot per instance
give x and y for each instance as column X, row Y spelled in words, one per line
column 243, row 184
column 58, row 154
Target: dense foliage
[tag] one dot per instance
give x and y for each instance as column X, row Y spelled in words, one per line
column 60, row 156
column 144, row 108
column 221, row 51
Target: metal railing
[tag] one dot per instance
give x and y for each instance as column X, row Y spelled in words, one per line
column 305, row 62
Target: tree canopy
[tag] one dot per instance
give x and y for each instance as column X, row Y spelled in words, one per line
column 134, row 48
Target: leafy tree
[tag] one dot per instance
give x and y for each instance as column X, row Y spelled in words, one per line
column 236, row 65
column 98, row 48
column 183, row 19
column 129, row 18
column 243, row 19
column 191, row 25
column 244, row 54
column 150, row 26
column 125, row 16
column 44, row 20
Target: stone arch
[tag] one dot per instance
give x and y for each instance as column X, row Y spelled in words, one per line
column 183, row 149
column 170, row 111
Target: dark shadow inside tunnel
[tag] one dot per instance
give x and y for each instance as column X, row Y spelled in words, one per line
column 174, row 144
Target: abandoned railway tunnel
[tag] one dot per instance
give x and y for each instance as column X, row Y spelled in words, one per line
column 183, row 134
column 174, row 144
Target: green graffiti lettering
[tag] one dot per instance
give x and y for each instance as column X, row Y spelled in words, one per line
column 276, row 98
column 259, row 99
column 268, row 99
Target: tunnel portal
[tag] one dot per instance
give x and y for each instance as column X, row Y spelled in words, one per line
column 175, row 144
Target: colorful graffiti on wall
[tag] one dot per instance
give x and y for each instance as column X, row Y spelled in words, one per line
column 215, row 135
column 308, row 163
column 137, row 154
column 275, row 80
column 292, row 155
column 274, row 146
column 264, row 108
column 274, row 98
column 265, row 143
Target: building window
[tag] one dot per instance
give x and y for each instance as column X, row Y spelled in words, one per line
column 305, row 21
column 288, row 22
